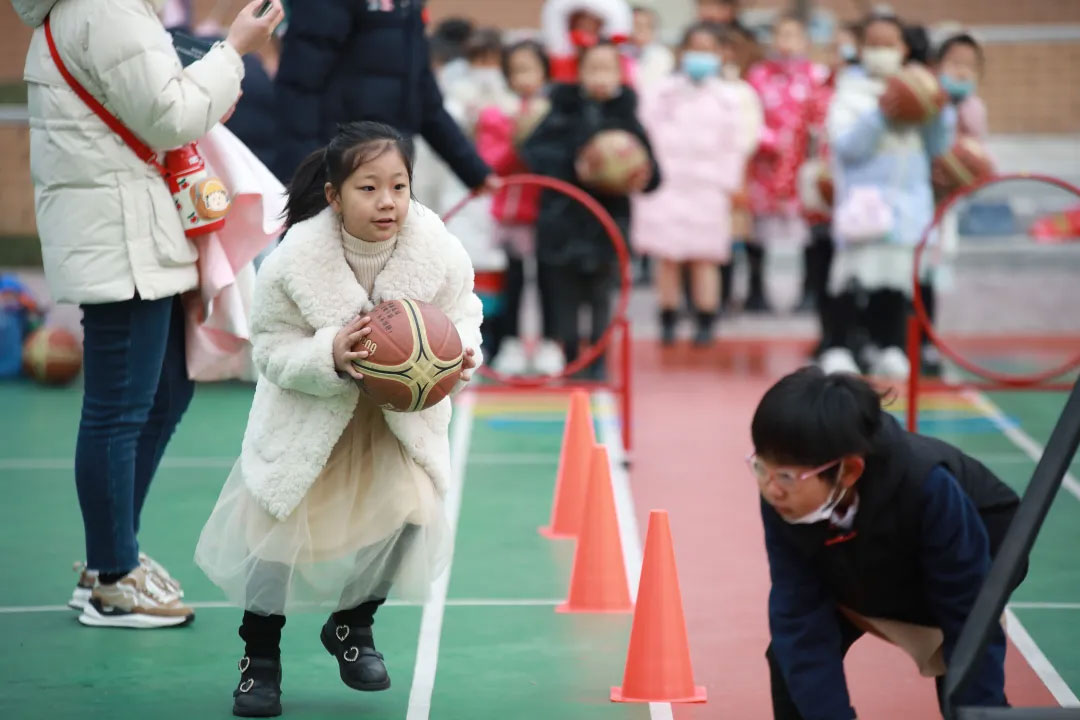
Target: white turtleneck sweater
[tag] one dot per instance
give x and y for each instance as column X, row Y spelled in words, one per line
column 367, row 259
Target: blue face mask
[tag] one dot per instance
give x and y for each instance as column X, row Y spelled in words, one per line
column 957, row 90
column 849, row 54
column 700, row 65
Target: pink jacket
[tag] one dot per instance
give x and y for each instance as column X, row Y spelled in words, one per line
column 790, row 94
column 218, row 335
column 702, row 135
column 517, row 204
column 971, row 119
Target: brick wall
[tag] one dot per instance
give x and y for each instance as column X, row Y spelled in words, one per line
column 16, row 191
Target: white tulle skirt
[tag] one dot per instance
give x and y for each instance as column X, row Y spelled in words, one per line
column 372, row 521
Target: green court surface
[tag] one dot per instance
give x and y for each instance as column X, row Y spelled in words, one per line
column 494, row 649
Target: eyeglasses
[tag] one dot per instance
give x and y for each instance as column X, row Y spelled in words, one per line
column 785, row 476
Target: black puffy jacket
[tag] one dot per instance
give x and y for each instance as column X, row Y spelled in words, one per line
column 346, row 60
column 566, row 232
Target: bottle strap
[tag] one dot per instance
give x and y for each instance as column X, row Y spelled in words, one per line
column 141, row 149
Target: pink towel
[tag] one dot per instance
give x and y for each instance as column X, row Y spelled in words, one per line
column 218, row 333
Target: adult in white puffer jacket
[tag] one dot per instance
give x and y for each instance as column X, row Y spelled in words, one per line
column 112, row 241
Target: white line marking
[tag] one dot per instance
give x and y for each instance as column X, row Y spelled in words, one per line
column 1017, row 435
column 1045, row 605
column 223, row 463
column 215, row 605
column 427, row 651
column 611, row 437
column 1038, row 662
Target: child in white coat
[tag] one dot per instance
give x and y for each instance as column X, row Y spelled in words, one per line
column 334, row 500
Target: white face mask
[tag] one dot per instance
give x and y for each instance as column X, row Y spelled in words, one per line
column 825, row 511
column 487, row 78
column 882, row 62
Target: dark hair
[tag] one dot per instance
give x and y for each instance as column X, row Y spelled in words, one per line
column 443, row 52
column 730, row 3
column 483, row 41
column 884, row 17
column 531, row 45
column 961, row 39
column 737, row 28
column 356, row 143
column 454, row 30
column 717, row 30
column 809, row 418
column 600, row 43
column 918, row 42
column 651, row 12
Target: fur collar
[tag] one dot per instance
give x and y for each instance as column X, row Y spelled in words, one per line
column 311, row 262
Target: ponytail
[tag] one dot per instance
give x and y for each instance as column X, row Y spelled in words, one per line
column 307, row 190
column 354, row 144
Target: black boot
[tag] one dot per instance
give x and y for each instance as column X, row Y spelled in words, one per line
column 703, row 336
column 360, row 664
column 808, row 303
column 668, row 321
column 725, row 287
column 756, row 301
column 259, row 691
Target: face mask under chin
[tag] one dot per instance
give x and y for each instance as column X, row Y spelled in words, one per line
column 825, row 510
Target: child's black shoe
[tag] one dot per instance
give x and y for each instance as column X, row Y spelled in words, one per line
column 361, row 665
column 259, row 691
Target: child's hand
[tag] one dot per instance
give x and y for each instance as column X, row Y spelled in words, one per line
column 344, row 343
column 468, row 364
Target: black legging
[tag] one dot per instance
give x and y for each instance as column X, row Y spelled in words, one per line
column 854, row 319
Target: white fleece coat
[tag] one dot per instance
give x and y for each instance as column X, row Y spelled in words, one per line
column 304, row 295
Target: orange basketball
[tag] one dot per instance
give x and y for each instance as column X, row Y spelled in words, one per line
column 52, row 356
column 913, row 96
column 964, row 165
column 613, row 162
column 415, row 356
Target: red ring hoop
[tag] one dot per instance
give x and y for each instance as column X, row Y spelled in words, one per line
column 619, row 317
column 923, row 318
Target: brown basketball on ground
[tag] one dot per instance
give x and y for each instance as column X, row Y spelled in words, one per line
column 415, row 356
column 52, row 356
column 913, row 96
column 613, row 162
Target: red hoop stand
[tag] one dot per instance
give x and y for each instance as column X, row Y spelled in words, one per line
column 920, row 324
column 617, row 335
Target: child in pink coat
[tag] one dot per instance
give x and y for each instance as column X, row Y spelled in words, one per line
column 702, row 137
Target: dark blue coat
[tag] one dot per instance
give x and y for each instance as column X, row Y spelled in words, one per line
column 928, row 523
column 346, row 60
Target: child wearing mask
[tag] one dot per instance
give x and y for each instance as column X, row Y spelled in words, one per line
column 788, row 84
column 880, row 168
column 702, row 135
column 499, row 134
column 569, row 241
column 960, row 63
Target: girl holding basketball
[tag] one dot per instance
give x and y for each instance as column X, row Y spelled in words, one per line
column 333, row 500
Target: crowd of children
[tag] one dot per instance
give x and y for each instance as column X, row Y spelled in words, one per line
column 754, row 144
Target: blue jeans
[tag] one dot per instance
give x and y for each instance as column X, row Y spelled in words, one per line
column 136, row 390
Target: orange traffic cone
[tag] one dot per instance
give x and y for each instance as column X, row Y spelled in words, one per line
column 571, row 482
column 598, row 581
column 658, row 661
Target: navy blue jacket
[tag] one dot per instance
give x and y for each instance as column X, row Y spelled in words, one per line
column 928, row 523
column 347, row 60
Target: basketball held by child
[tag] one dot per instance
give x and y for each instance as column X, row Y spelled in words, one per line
column 52, row 356
column 614, row 162
column 964, row 165
column 913, row 96
column 415, row 356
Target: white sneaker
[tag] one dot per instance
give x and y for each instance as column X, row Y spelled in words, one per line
column 81, row 595
column 892, row 364
column 157, row 570
column 549, row 358
column 838, row 360
column 138, row 600
column 511, row 359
